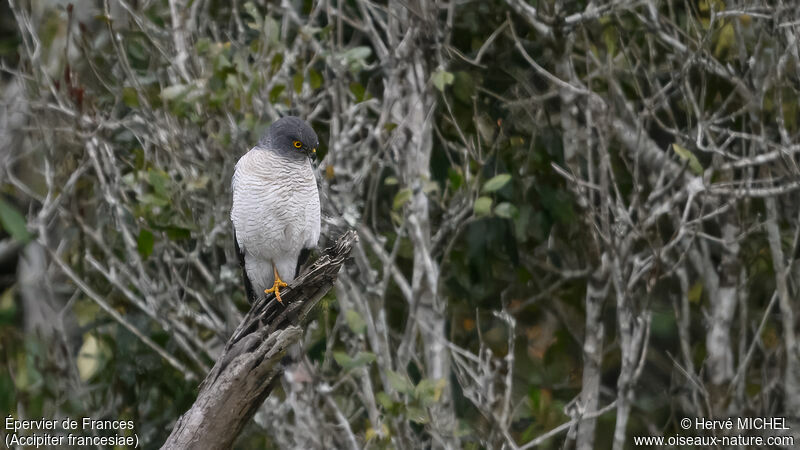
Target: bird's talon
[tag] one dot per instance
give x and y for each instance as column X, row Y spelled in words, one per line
column 276, row 289
column 276, row 286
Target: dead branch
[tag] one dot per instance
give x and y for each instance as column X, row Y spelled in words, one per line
column 244, row 374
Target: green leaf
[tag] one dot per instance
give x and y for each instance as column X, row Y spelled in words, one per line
column 397, row 219
column 356, row 58
column 297, row 81
column 275, row 93
column 372, row 433
column 390, row 181
column 27, row 375
column 314, row 79
column 384, row 399
column 463, row 87
column 138, row 158
column 416, row 415
column 455, row 177
column 136, row 50
column 725, row 38
column 276, row 63
column 357, row 53
column 348, row 363
column 364, row 358
column 355, row 321
column 129, row 97
column 685, row 154
column 86, row 312
column 272, row 30
column 92, row 356
column 399, row 383
column 496, row 183
column 222, row 63
column 8, row 307
column 252, row 11
column 158, row 180
column 610, row 39
column 342, row 359
column 506, row 210
column 153, row 200
column 429, row 391
column 14, row 222
column 145, row 243
column 442, row 79
column 358, row 91
column 202, row 45
column 483, row 206
column 401, row 198
column 696, row 292
column 176, row 233
column 232, row 82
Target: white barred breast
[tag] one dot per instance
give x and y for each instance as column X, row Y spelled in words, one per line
column 275, row 213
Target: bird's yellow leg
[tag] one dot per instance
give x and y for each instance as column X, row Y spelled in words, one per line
column 276, row 285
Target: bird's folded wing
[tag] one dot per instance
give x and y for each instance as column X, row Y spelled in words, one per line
column 248, row 287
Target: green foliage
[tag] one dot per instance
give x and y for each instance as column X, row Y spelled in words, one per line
column 145, row 243
column 506, row 210
column 13, row 222
column 442, row 79
column 482, row 207
column 400, row 383
column 463, row 86
column 358, row 91
column 355, row 321
column 314, row 79
column 401, row 198
column 416, row 399
column 496, row 183
column 355, row 58
column 359, row 360
column 687, row 155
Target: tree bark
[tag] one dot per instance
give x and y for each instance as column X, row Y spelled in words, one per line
column 245, row 373
column 412, row 99
column 596, row 293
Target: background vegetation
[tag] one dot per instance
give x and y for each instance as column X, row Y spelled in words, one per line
column 578, row 221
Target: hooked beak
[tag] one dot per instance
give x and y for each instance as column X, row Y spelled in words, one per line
column 313, row 154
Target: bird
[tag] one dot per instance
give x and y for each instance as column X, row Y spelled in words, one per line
column 276, row 208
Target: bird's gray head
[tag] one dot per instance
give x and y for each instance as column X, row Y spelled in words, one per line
column 291, row 136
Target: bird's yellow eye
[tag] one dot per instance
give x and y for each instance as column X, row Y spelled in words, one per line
column 297, row 144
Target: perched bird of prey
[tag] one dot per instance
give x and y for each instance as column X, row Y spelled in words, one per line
column 275, row 213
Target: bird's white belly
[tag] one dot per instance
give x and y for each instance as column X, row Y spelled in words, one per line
column 276, row 213
column 277, row 221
